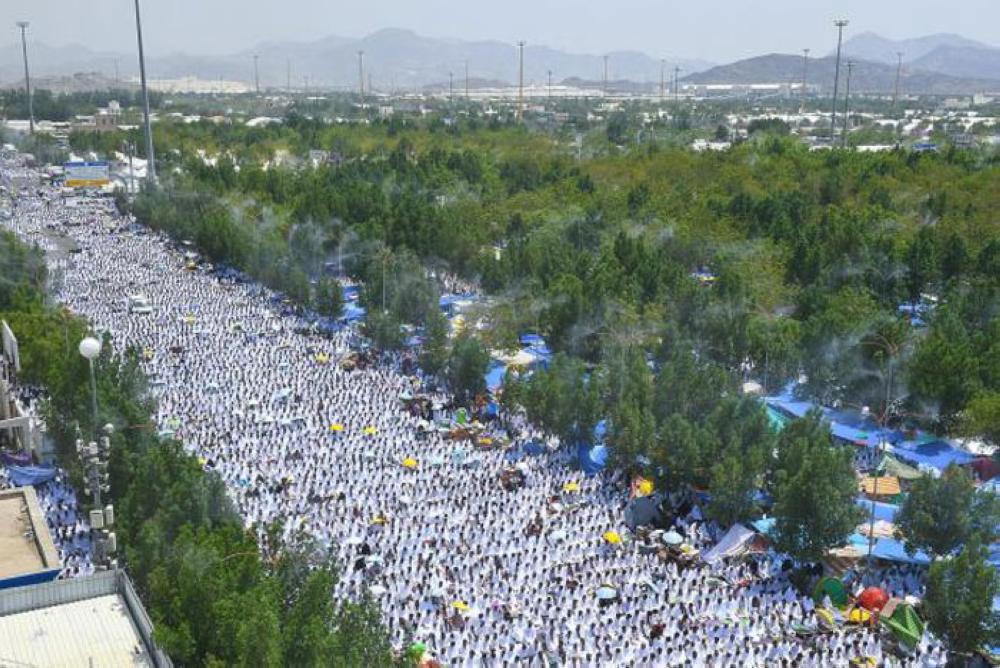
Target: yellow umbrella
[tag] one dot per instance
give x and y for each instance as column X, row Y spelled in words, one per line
column 189, row 319
column 571, row 487
column 486, row 440
column 461, row 606
column 379, row 519
column 370, row 430
column 336, row 427
column 859, row 616
column 322, row 358
column 410, row 463
column 612, row 537
column 645, row 487
column 148, row 353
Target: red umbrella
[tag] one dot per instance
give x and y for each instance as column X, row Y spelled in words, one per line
column 873, row 598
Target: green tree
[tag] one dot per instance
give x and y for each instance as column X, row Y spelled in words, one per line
column 944, row 368
column 940, row 514
column 384, row 330
column 435, row 353
column 328, row 299
column 982, row 417
column 467, row 367
column 958, row 604
column 814, row 486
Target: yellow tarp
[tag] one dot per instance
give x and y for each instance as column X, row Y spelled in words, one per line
column 887, row 485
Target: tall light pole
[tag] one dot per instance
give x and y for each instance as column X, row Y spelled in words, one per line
column 90, row 348
column 847, row 101
column 805, row 75
column 840, row 24
column 899, row 72
column 23, row 25
column 663, row 74
column 451, row 87
column 150, row 157
column 288, row 75
column 256, row 74
column 605, row 76
column 361, row 77
column 550, row 85
column 467, row 81
column 677, row 84
column 520, row 78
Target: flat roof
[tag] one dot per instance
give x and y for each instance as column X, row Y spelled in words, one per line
column 25, row 543
column 92, row 632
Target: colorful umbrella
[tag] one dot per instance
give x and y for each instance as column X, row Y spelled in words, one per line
column 672, row 538
column 461, row 606
column 612, row 537
column 370, row 430
column 336, row 427
column 410, row 463
column 571, row 487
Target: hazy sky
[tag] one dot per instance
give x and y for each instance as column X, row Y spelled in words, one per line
column 716, row 30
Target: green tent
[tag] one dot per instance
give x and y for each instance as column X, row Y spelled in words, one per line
column 833, row 588
column 905, row 625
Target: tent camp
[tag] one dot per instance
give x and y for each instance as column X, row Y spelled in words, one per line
column 734, row 543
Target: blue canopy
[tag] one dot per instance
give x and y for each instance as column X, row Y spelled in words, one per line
column 534, row 448
column 593, row 459
column 351, row 293
column 30, row 475
column 891, row 549
column 353, row 312
column 494, row 376
column 937, row 454
column 532, row 340
column 883, row 511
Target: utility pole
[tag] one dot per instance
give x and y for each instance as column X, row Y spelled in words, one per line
column 520, row 80
column 899, row 72
column 605, row 76
column 117, row 74
column 847, row 100
column 840, row 24
column 23, row 25
column 663, row 71
column 677, row 84
column 451, row 87
column 361, row 77
column 288, row 75
column 550, row 86
column 467, row 81
column 256, row 74
column 150, row 156
column 805, row 75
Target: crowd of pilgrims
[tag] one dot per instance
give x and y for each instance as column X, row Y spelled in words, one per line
column 479, row 573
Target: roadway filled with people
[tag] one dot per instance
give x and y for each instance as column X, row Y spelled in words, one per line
column 482, row 540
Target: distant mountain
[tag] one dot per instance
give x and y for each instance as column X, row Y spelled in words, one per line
column 961, row 61
column 394, row 58
column 868, row 77
column 878, row 49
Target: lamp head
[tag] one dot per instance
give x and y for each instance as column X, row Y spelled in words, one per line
column 90, row 348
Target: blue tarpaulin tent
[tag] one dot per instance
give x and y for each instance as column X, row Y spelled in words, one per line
column 891, row 549
column 534, row 448
column 936, row 454
column 593, row 459
column 883, row 511
column 30, row 475
column 353, row 312
column 494, row 376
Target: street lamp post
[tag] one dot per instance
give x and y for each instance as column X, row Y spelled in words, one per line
column 890, row 350
column 151, row 165
column 23, row 25
column 90, row 348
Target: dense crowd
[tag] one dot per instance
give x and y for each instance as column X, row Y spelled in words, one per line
column 478, row 572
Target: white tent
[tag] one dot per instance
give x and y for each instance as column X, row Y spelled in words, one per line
column 733, row 544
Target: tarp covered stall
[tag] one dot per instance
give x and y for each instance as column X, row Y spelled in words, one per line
column 880, row 486
column 30, row 475
column 733, row 544
column 890, row 549
column 642, row 511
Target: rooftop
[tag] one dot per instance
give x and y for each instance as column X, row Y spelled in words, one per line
column 90, row 621
column 25, row 544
